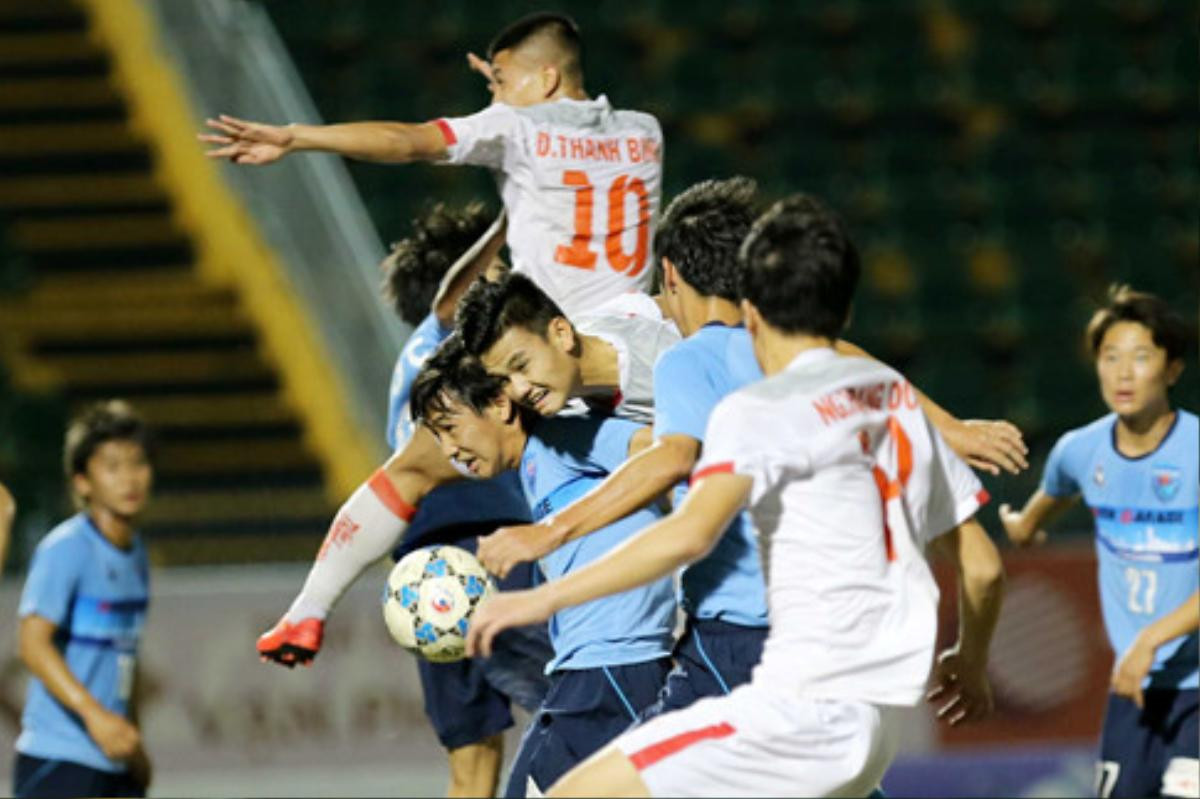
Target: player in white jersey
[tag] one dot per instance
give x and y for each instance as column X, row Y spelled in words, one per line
column 848, row 483
column 580, row 180
column 604, row 358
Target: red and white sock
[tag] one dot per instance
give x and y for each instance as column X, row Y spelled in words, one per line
column 367, row 527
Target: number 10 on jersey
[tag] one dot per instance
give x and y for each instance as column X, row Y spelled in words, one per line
column 580, row 253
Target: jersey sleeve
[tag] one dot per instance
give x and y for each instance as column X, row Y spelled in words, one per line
column 1059, row 478
column 52, row 581
column 955, row 493
column 481, row 139
column 422, row 343
column 737, row 441
column 683, row 398
column 610, row 444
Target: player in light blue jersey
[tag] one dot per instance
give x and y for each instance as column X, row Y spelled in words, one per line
column 1137, row 471
column 81, row 616
column 610, row 656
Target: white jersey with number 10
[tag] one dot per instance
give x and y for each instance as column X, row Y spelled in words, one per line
column 581, row 183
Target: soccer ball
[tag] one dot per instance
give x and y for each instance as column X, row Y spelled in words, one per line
column 428, row 600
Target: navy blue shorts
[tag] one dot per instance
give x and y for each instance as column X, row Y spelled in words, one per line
column 469, row 701
column 62, row 779
column 711, row 659
column 1147, row 752
column 583, row 711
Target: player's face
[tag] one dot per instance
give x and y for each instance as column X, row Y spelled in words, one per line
column 517, row 80
column 538, row 372
column 1134, row 371
column 117, row 479
column 471, row 439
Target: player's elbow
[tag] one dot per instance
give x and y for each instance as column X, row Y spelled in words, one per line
column 983, row 571
column 676, row 458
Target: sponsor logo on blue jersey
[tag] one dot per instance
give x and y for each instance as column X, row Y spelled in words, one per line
column 1166, row 482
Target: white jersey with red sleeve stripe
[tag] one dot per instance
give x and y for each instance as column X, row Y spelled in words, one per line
column 850, row 483
column 581, row 183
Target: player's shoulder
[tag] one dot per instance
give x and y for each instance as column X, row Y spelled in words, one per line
column 1088, row 437
column 69, row 537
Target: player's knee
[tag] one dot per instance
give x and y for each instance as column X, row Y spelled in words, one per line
column 607, row 773
column 475, row 768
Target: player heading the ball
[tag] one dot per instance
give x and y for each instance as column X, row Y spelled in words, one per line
column 580, row 180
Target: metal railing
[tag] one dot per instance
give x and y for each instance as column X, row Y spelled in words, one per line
column 231, row 60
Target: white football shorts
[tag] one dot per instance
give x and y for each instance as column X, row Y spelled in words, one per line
column 757, row 742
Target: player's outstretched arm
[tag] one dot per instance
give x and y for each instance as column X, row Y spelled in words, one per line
column 684, row 537
column 984, row 444
column 1136, row 662
column 245, row 142
column 1026, row 526
column 960, row 673
column 638, row 482
column 463, row 272
column 113, row 733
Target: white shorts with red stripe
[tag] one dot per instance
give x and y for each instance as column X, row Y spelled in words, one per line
column 755, row 742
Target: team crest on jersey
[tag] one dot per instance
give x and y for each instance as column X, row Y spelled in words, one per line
column 1165, row 480
column 1098, row 476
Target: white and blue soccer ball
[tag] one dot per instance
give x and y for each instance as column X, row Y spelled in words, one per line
column 428, row 600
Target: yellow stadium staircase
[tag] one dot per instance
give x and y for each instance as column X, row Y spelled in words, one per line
column 117, row 306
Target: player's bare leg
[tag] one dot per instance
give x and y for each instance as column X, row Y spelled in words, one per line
column 366, row 528
column 606, row 773
column 475, row 768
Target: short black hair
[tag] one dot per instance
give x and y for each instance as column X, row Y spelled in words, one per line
column 702, row 231
column 99, row 423
column 561, row 29
column 414, row 268
column 1167, row 328
column 800, row 268
column 488, row 310
column 451, row 374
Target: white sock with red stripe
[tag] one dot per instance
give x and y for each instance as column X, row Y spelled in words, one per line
column 365, row 529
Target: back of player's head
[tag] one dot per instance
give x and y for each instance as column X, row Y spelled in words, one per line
column 488, row 310
column 1167, row 329
column 452, row 375
column 702, row 230
column 800, row 268
column 97, row 424
column 415, row 267
column 557, row 36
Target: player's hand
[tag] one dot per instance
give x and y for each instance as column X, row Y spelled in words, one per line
column 484, row 68
column 116, row 736
column 502, row 611
column 961, row 688
column 989, row 445
column 140, row 768
column 501, row 551
column 1016, row 529
column 1131, row 670
column 245, row 142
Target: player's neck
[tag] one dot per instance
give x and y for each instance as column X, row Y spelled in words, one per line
column 775, row 349
column 701, row 311
column 1142, row 434
column 598, row 366
column 116, row 528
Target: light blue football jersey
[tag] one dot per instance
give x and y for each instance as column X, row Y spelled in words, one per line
column 564, row 459
column 1147, row 538
column 466, row 501
column 97, row 596
column 689, row 380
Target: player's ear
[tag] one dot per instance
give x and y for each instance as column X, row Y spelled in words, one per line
column 670, row 276
column 1174, row 370
column 81, row 486
column 551, row 80
column 751, row 317
column 561, row 333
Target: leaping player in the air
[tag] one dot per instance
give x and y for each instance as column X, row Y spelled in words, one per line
column 580, row 180
column 847, row 483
